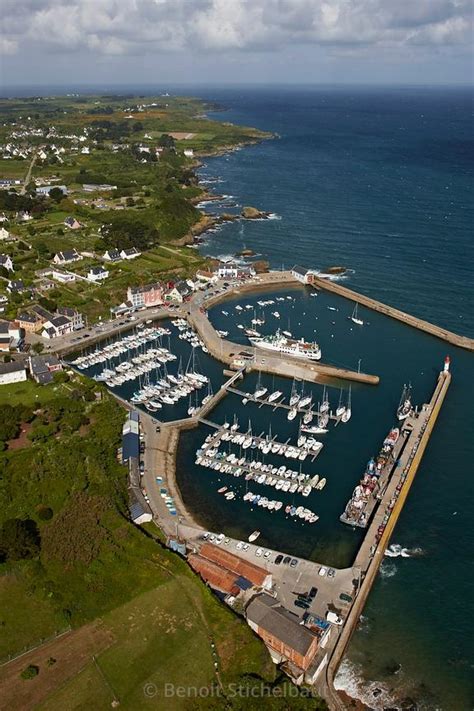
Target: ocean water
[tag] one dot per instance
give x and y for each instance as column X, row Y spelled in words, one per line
column 380, row 181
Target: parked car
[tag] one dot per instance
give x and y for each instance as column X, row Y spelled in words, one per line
column 345, row 597
column 313, row 592
column 259, row 552
column 278, row 559
column 331, row 573
column 322, row 571
column 227, row 541
column 245, row 547
column 267, row 554
column 293, row 563
column 301, row 603
column 286, row 560
column 239, row 545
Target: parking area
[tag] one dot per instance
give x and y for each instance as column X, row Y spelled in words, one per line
column 300, row 585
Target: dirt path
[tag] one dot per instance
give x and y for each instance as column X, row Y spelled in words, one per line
column 72, row 652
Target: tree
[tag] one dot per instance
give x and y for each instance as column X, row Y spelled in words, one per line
column 38, row 347
column 19, row 539
column 56, row 194
column 30, row 672
column 166, row 141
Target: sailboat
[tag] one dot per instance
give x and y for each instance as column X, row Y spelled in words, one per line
column 346, row 415
column 340, row 408
column 207, row 397
column 355, row 317
column 295, row 396
column 404, row 406
column 259, row 390
column 325, row 403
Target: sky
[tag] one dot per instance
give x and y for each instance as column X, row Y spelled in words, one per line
column 160, row 42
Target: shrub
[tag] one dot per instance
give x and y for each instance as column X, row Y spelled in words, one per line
column 30, row 672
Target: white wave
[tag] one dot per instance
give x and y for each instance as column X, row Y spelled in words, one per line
column 274, row 216
column 371, row 693
column 388, row 570
column 395, row 550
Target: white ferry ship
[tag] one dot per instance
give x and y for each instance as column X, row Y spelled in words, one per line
column 280, row 343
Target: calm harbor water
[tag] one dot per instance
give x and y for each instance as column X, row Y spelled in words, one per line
column 379, row 181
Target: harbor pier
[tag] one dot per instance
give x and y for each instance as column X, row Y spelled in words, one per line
column 372, row 550
column 422, row 325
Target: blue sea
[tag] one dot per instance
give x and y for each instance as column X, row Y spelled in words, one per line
column 380, row 181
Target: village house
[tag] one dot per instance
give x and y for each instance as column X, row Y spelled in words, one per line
column 16, row 286
column 44, row 285
column 63, row 277
column 12, row 336
column 3, row 218
column 96, row 274
column 112, row 255
column 91, row 188
column 28, row 322
column 232, row 270
column 206, row 276
column 23, row 216
column 188, row 152
column 5, row 235
column 12, row 373
column 75, row 316
column 130, row 253
column 72, row 223
column 125, row 308
column 42, row 315
column 6, row 262
column 303, row 275
column 57, row 326
column 288, row 641
column 67, row 257
column 145, row 296
column 46, row 189
column 42, row 368
column 178, row 293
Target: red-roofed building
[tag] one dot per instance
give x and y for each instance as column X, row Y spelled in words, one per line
column 214, row 575
column 240, row 567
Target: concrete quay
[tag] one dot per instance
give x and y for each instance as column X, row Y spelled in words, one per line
column 409, row 319
column 372, row 550
column 279, row 364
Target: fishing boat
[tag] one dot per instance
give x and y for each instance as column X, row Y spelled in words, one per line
column 355, row 318
column 392, row 438
column 288, row 346
column 404, row 406
column 253, row 536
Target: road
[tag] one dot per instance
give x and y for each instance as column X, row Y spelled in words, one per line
column 28, row 174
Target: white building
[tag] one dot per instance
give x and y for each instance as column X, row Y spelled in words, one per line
column 6, row 262
column 305, row 276
column 12, row 373
column 96, row 274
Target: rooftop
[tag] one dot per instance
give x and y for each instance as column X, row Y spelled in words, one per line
column 267, row 613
